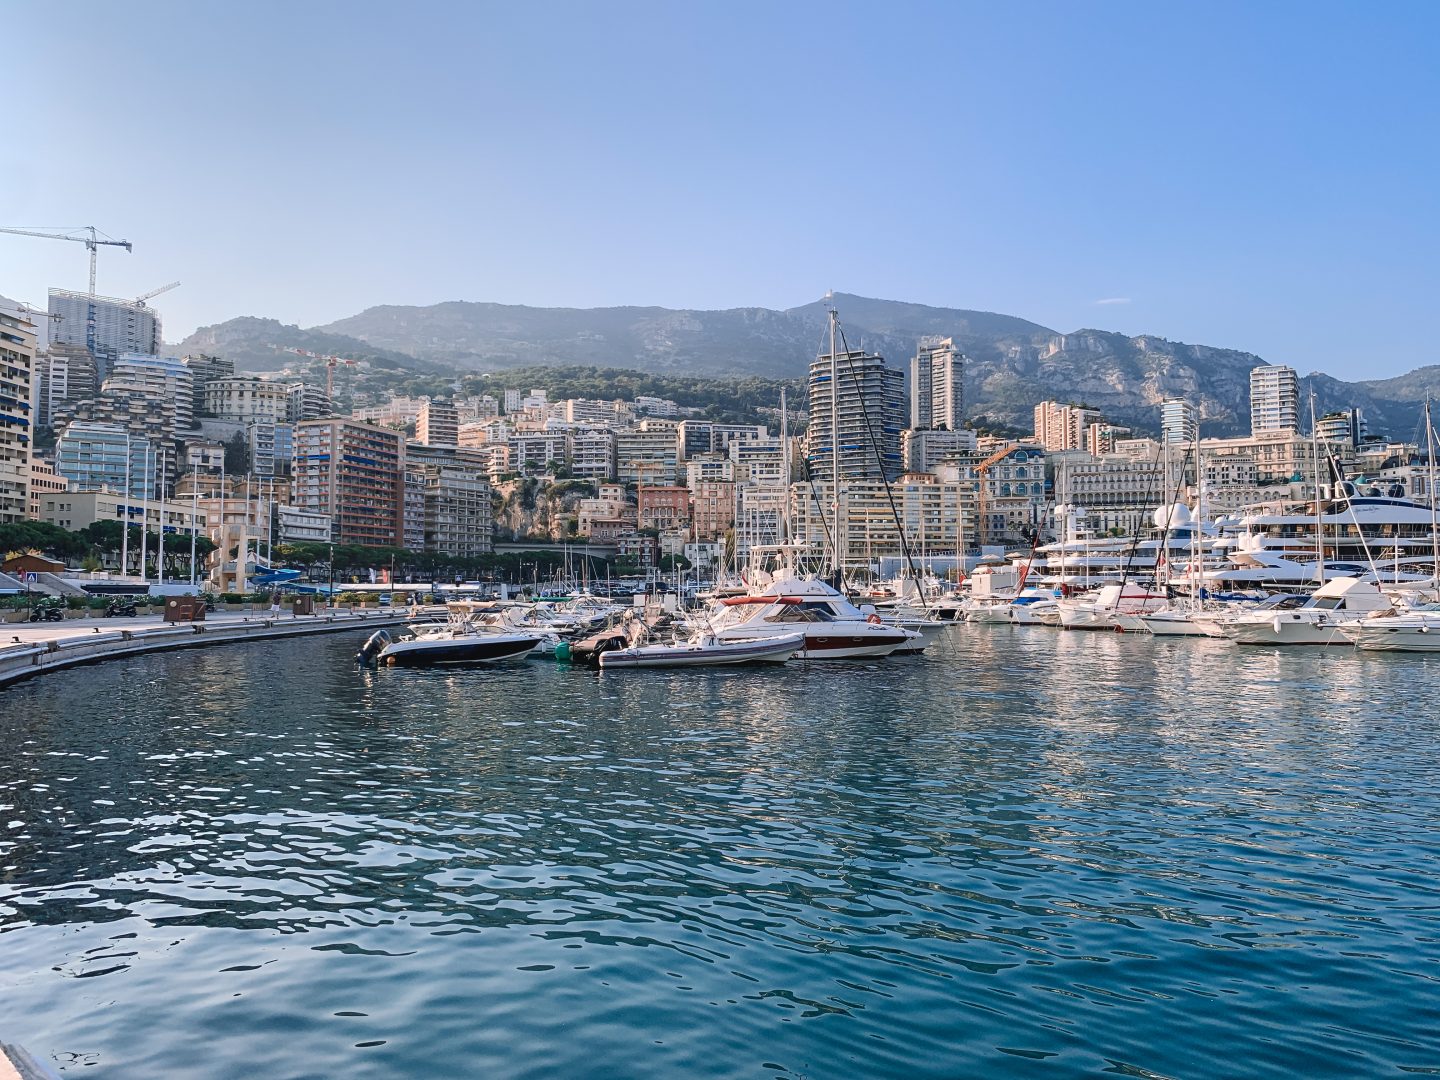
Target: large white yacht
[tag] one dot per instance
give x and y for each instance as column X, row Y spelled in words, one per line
column 1373, row 536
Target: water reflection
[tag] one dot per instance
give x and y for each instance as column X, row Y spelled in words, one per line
column 1029, row 850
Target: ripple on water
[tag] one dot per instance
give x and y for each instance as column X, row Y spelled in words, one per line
column 1027, row 852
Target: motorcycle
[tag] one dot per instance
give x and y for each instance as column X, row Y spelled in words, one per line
column 120, row 609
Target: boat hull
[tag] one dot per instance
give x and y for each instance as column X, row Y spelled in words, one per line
column 775, row 651
column 479, row 649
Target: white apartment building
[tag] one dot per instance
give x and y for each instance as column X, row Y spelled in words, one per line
column 247, row 400
column 937, row 388
column 647, row 453
column 1274, row 399
column 592, row 453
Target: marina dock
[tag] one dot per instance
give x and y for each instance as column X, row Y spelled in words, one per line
column 31, row 648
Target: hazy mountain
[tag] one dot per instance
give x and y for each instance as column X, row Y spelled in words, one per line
column 257, row 344
column 1013, row 365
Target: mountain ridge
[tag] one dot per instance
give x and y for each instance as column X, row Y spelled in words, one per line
column 1013, row 363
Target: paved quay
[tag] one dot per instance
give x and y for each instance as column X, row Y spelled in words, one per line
column 31, row 648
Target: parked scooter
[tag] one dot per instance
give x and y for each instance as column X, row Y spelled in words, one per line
column 47, row 611
column 123, row 609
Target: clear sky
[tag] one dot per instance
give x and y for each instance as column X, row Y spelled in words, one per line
column 1256, row 175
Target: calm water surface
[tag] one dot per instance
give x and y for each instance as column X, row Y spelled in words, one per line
column 1029, row 854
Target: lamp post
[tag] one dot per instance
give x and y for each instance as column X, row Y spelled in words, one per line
column 194, row 516
column 331, row 597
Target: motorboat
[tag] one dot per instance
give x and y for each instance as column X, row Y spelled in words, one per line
column 452, row 643
column 1097, row 610
column 1411, row 631
column 833, row 627
column 704, row 650
column 1315, row 622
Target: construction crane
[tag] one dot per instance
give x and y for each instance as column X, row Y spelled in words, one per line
column 981, row 493
column 139, row 301
column 93, row 243
column 330, row 362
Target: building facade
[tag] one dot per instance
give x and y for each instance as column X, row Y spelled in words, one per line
column 355, row 474
column 1274, row 399
column 438, row 424
column 857, row 419
column 1060, row 426
column 937, row 387
column 17, row 430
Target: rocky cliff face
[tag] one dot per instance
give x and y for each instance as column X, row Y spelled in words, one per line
column 526, row 507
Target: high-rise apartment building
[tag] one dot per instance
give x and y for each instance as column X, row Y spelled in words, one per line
column 355, row 473
column 162, row 385
column 63, row 373
column 1179, row 421
column 17, row 362
column 1274, row 399
column 438, row 424
column 104, row 325
column 857, row 419
column 937, row 390
column 1063, row 426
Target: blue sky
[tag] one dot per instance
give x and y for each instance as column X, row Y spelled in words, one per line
column 1258, row 176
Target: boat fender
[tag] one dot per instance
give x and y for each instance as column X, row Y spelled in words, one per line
column 873, row 619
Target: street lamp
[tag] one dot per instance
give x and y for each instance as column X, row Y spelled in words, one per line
column 330, row 599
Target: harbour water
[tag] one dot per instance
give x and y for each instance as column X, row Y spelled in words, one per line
column 1027, row 853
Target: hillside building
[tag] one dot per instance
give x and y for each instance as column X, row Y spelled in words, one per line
column 937, row 387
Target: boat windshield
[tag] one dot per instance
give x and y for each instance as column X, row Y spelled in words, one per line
column 801, row 613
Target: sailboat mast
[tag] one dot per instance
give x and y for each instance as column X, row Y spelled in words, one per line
column 1430, row 486
column 835, row 435
column 1319, row 510
column 783, row 525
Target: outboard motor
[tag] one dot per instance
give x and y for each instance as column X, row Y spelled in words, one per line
column 373, row 647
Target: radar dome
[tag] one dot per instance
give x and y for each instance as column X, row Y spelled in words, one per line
column 1171, row 516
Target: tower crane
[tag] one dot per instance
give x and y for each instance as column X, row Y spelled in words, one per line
column 139, row 301
column 330, row 362
column 93, row 243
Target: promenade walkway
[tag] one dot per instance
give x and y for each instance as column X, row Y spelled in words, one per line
column 30, row 648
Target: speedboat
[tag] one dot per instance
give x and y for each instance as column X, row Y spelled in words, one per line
column 1316, row 622
column 704, row 650
column 1411, row 631
column 446, row 644
column 834, row 628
